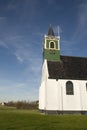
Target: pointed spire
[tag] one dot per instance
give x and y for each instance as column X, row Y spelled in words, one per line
column 50, row 31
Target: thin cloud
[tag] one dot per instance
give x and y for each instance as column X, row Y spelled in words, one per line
column 69, row 47
column 3, row 44
column 17, row 90
column 83, row 14
column 24, row 52
column 81, row 30
column 10, row 84
column 20, row 59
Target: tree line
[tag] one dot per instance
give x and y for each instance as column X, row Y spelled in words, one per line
column 23, row 104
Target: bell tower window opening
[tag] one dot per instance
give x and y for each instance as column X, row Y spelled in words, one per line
column 52, row 45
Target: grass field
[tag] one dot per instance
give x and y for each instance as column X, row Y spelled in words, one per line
column 12, row 119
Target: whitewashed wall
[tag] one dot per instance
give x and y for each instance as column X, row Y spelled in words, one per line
column 83, row 93
column 42, row 91
column 52, row 94
column 70, row 102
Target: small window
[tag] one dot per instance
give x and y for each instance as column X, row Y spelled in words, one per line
column 69, row 88
column 52, row 45
column 86, row 87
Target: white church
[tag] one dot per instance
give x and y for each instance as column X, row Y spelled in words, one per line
column 64, row 80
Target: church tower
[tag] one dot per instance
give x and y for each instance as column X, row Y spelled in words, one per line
column 51, row 50
column 51, row 55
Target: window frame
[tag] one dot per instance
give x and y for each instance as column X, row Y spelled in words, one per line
column 69, row 88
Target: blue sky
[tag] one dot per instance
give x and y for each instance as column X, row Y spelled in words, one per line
column 23, row 24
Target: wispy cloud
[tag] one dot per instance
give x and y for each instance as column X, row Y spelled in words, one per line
column 81, row 30
column 27, row 53
column 83, row 14
column 11, row 90
column 2, row 43
column 19, row 58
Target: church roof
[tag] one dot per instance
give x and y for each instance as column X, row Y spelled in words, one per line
column 50, row 31
column 68, row 68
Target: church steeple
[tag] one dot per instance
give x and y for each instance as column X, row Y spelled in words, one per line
column 50, row 31
column 51, row 50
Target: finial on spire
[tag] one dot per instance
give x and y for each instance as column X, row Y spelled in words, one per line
column 50, row 31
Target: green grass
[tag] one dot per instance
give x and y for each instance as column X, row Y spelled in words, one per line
column 12, row 119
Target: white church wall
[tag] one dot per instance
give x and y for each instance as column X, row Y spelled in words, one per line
column 83, row 93
column 51, row 95
column 70, row 102
column 44, row 71
column 76, row 102
column 42, row 94
column 56, row 98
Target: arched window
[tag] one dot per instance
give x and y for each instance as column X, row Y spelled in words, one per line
column 52, row 45
column 69, row 88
